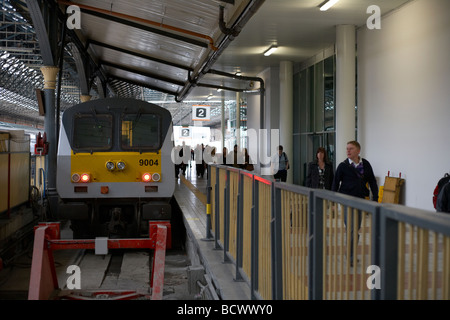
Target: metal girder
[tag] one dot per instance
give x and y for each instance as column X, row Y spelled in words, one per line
column 137, row 54
column 101, row 87
column 145, row 74
column 144, row 85
column 80, row 65
column 41, row 32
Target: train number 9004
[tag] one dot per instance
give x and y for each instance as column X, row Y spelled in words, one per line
column 148, row 162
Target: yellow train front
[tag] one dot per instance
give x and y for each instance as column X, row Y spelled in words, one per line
column 115, row 171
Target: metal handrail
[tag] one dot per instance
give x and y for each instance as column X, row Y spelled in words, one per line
column 299, row 239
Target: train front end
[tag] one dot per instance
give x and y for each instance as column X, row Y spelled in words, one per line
column 115, row 171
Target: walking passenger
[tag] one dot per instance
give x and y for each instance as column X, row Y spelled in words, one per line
column 354, row 173
column 283, row 164
column 320, row 171
column 352, row 177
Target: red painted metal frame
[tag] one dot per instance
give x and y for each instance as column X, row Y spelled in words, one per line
column 43, row 279
column 103, row 295
column 157, row 281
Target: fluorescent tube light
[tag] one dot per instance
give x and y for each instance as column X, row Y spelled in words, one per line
column 327, row 5
column 271, row 50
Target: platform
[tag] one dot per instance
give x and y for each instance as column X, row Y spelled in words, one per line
column 190, row 193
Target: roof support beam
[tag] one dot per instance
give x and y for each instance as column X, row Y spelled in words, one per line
column 82, row 72
column 245, row 16
column 143, row 85
column 137, row 54
column 41, row 32
column 145, row 74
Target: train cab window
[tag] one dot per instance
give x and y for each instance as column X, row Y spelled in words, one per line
column 92, row 132
column 141, row 131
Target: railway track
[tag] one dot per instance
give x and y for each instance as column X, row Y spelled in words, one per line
column 120, row 274
column 126, row 274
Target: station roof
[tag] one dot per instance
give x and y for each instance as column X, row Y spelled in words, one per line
column 165, row 51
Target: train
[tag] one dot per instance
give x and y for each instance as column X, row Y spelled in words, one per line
column 114, row 167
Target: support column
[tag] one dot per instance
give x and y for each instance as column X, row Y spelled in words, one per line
column 286, row 112
column 50, row 73
column 222, row 121
column 345, row 88
column 238, row 120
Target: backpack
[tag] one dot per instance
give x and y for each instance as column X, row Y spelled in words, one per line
column 443, row 181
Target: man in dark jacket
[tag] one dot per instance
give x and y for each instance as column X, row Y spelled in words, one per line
column 351, row 177
column 354, row 173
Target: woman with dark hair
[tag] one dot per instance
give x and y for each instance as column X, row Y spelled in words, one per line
column 320, row 171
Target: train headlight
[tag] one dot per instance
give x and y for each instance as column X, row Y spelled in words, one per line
column 110, row 165
column 156, row 177
column 146, row 177
column 76, row 177
column 121, row 165
column 85, row 177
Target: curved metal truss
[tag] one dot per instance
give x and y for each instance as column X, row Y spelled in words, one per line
column 21, row 60
column 20, row 74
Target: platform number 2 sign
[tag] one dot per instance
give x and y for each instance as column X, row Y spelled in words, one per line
column 185, row 132
column 201, row 113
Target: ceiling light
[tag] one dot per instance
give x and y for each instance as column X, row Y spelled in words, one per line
column 327, row 4
column 209, row 97
column 271, row 50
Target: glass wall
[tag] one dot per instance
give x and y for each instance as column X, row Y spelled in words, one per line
column 231, row 134
column 314, row 112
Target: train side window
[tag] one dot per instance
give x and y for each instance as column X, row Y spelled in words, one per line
column 92, row 132
column 141, row 132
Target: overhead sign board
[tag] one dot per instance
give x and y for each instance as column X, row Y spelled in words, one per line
column 201, row 113
column 185, row 133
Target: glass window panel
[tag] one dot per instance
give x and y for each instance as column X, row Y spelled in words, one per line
column 92, row 132
column 303, row 101
column 318, row 106
column 329, row 93
column 314, row 112
column 140, row 131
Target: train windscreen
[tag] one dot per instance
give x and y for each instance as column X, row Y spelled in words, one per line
column 141, row 132
column 92, row 132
